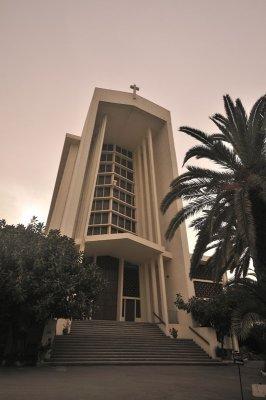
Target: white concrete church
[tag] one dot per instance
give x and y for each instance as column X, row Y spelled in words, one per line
column 110, row 183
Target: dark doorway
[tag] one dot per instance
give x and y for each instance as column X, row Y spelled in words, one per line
column 131, row 280
column 106, row 305
column 130, row 310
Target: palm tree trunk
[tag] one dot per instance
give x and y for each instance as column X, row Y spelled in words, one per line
column 259, row 215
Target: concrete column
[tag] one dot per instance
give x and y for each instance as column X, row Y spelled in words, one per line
column 141, row 203
column 94, row 171
column 120, row 289
column 147, row 192
column 61, row 199
column 73, row 198
column 154, row 198
column 162, row 290
column 154, row 289
column 148, row 293
column 82, row 246
column 138, row 195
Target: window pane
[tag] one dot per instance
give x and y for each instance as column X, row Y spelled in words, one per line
column 122, row 209
column 115, row 205
column 122, row 196
column 128, row 199
column 128, row 225
column 114, row 219
column 105, row 204
column 108, row 179
column 106, row 192
column 97, row 218
column 104, row 218
column 129, row 186
column 96, row 230
column 121, row 222
column 103, row 230
column 100, row 180
column 129, row 176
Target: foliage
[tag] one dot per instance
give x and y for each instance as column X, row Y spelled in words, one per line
column 249, row 316
column 220, row 352
column 41, row 277
column 173, row 333
column 228, row 204
column 240, row 308
column 215, row 312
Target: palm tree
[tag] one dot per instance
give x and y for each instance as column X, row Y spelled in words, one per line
column 228, row 203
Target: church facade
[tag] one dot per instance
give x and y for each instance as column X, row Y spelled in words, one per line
column 110, row 183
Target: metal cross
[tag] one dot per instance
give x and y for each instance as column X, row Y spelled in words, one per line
column 135, row 89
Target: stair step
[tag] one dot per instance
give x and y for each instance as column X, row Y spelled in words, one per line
column 130, row 362
column 123, row 343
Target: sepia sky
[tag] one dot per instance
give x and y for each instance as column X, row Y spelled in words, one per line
column 184, row 55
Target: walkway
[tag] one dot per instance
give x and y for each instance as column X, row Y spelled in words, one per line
column 130, row 383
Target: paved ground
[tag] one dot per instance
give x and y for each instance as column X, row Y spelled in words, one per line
column 127, row 383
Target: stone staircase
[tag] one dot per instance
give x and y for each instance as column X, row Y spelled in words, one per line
column 123, row 343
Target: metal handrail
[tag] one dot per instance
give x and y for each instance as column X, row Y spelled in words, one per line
column 201, row 337
column 160, row 319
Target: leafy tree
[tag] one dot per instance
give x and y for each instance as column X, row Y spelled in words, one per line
column 215, row 312
column 230, row 200
column 249, row 315
column 41, row 277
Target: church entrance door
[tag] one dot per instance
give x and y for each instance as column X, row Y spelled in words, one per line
column 131, row 293
column 106, row 305
column 130, row 310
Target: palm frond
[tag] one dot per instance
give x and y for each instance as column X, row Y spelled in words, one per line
column 196, row 134
column 243, row 322
column 191, row 209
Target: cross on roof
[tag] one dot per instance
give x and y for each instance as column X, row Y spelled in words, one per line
column 135, row 89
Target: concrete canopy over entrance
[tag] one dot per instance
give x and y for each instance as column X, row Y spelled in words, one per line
column 126, row 246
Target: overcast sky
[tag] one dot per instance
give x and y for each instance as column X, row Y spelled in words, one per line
column 184, row 55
